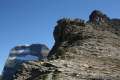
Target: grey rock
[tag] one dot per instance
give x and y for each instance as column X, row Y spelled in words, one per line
column 82, row 51
column 22, row 54
column 87, row 52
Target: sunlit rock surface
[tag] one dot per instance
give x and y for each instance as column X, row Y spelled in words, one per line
column 82, row 51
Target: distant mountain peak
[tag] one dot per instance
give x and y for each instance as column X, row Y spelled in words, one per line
column 23, row 53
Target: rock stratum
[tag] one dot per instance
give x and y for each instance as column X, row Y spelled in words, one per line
column 82, row 51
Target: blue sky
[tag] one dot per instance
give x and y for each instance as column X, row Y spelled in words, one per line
column 33, row 21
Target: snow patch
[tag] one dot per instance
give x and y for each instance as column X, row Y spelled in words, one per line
column 25, row 58
column 20, row 51
column 28, row 58
column 11, row 58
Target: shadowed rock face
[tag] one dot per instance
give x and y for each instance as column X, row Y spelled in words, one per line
column 21, row 54
column 82, row 51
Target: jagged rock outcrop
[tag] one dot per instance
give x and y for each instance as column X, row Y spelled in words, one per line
column 97, row 17
column 22, row 54
column 89, row 51
column 82, row 51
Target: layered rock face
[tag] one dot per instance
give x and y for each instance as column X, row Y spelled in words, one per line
column 22, row 54
column 87, row 51
column 82, row 51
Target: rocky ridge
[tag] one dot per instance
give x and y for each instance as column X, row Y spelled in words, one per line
column 82, row 51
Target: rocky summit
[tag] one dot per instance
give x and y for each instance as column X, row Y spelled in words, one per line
column 83, row 50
